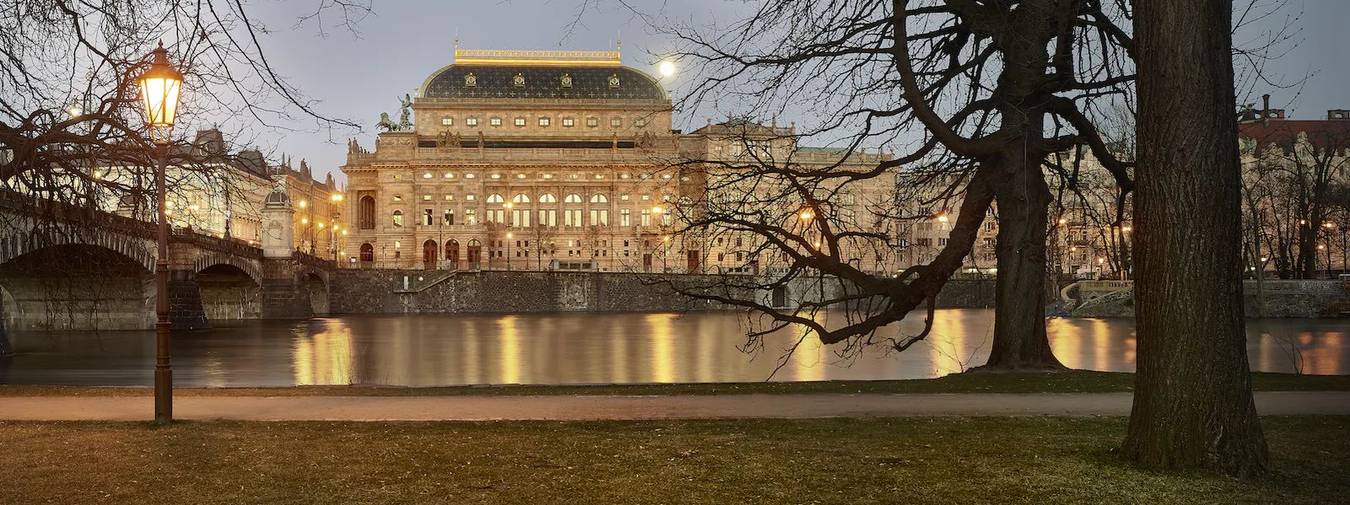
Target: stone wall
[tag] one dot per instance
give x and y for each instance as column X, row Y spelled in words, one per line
column 391, row 291
column 1279, row 298
column 398, row 291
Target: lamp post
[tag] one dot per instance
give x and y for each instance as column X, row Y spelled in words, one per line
column 160, row 87
column 510, row 236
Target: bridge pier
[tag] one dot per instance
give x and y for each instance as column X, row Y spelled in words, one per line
column 185, row 301
column 286, row 294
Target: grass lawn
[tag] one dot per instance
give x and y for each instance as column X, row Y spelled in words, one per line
column 847, row 461
column 1074, row 381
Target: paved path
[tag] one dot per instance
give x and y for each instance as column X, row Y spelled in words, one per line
column 575, row 408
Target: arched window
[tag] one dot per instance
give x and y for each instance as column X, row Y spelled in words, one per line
column 572, row 198
column 367, row 253
column 548, row 198
column 599, row 198
column 495, row 198
column 398, row 218
column 520, row 198
column 430, row 251
column 366, row 213
column 452, row 252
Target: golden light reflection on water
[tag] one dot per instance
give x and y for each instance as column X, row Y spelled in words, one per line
column 509, row 349
column 324, row 357
column 702, row 347
column 570, row 348
column 662, row 347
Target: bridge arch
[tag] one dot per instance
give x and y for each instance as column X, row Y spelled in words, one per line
column 249, row 268
column 134, row 248
column 76, row 285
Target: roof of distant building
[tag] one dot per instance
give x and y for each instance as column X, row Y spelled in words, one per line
column 586, row 75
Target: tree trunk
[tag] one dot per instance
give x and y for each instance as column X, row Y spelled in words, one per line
column 1192, row 403
column 1020, row 340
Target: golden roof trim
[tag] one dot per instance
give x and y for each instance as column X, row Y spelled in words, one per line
column 536, row 57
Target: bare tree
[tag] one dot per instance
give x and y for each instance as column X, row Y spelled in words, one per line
column 68, row 103
column 1193, row 405
column 969, row 97
column 1298, row 165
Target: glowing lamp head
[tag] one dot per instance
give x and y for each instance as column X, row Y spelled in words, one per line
column 806, row 215
column 667, row 68
column 160, row 86
column 943, row 218
column 336, row 197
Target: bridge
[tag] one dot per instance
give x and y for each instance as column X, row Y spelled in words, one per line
column 66, row 267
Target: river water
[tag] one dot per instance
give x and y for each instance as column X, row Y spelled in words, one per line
column 577, row 348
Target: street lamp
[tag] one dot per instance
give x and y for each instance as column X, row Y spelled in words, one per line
column 160, row 86
column 510, row 236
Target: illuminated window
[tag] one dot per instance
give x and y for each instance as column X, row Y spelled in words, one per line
column 543, row 121
column 568, row 122
column 592, row 122
column 447, row 121
column 496, row 121
column 520, row 122
column 616, row 123
column 471, row 121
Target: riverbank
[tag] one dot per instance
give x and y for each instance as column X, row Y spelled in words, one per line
column 1072, row 381
column 854, row 461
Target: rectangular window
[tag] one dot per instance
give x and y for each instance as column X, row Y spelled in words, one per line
column 427, row 219
column 470, row 217
column 572, row 217
column 520, row 121
column 447, row 121
column 615, row 123
column 543, row 121
column 496, row 121
column 520, row 217
column 449, row 217
column 646, row 217
column 471, row 121
column 599, row 217
column 592, row 122
column 548, row 217
column 625, row 219
column 640, row 122
column 568, row 122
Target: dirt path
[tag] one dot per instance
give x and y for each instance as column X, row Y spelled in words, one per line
column 577, row 408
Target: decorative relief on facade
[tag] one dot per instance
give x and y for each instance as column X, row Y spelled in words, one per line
column 518, row 81
column 613, row 80
column 470, row 80
column 566, row 80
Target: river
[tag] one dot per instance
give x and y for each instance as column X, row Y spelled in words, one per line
column 581, row 348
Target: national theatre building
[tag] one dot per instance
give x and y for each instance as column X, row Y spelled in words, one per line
column 546, row 160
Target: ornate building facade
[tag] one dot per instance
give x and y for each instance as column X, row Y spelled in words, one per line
column 549, row 160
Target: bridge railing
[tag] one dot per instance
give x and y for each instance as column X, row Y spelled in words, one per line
column 67, row 214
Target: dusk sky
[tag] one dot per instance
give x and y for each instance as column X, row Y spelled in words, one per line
column 358, row 75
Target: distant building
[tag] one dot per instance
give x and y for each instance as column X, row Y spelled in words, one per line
column 223, row 195
column 561, row 160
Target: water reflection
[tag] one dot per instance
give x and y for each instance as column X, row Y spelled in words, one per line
column 591, row 348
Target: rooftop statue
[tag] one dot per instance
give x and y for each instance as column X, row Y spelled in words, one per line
column 404, row 112
column 386, row 123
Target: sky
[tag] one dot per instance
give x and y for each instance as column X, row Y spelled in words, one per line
column 358, row 74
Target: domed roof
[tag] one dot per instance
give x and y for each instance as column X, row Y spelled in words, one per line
column 277, row 197
column 541, row 74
